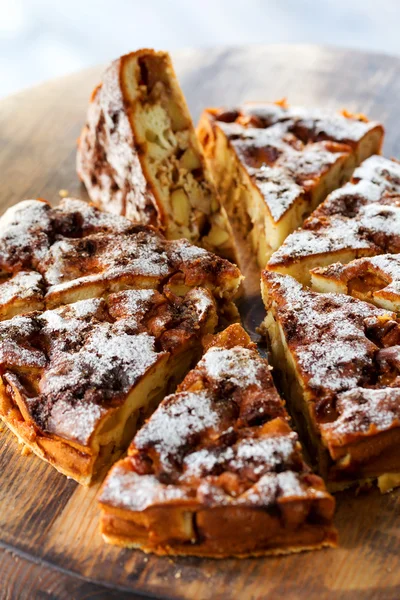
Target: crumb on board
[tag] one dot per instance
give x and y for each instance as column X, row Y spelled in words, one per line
column 63, row 193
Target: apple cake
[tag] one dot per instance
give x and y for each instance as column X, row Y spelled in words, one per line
column 339, row 365
column 53, row 256
column 360, row 219
column 373, row 279
column 273, row 164
column 138, row 154
column 217, row 471
column 76, row 380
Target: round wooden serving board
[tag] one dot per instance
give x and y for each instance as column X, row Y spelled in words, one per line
column 50, row 546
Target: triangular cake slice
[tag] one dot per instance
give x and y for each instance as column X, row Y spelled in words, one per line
column 75, row 381
column 375, row 279
column 339, row 364
column 273, row 164
column 217, row 471
column 52, row 256
column 360, row 219
column 138, row 154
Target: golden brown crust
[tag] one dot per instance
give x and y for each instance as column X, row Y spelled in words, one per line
column 341, row 372
column 139, row 157
column 209, row 459
column 274, row 164
column 75, row 379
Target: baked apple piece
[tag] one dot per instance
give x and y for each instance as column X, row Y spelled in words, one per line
column 138, row 154
column 338, row 360
column 217, row 471
column 273, row 164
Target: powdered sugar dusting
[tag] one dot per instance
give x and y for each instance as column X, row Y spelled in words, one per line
column 22, row 286
column 23, row 233
column 380, row 171
column 372, row 224
column 365, row 411
column 327, row 332
column 126, row 489
column 261, row 454
column 237, row 365
column 177, row 419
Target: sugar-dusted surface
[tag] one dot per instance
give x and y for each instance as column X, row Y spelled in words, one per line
column 286, row 150
column 126, row 489
column 346, row 357
column 314, row 123
column 92, row 353
column 23, row 285
column 179, row 419
column 380, row 171
column 202, row 448
column 364, row 411
column 24, row 234
column 53, row 252
column 363, row 216
column 237, row 365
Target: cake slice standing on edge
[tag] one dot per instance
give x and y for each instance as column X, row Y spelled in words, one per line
column 339, row 366
column 217, row 471
column 273, row 164
column 75, row 381
column 360, row 219
column 138, row 154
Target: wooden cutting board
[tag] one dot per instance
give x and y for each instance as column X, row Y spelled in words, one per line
column 49, row 541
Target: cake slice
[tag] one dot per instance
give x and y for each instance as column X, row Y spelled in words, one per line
column 217, row 471
column 375, row 279
column 75, row 381
column 273, row 164
column 52, row 256
column 138, row 154
column 360, row 219
column 338, row 360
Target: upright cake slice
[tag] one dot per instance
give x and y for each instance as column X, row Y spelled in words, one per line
column 76, row 380
column 217, row 471
column 52, row 256
column 273, row 164
column 138, row 154
column 360, row 219
column 375, row 280
column 339, row 363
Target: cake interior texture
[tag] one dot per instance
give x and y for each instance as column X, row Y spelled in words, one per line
column 139, row 156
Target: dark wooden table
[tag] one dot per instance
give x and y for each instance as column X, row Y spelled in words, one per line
column 49, row 541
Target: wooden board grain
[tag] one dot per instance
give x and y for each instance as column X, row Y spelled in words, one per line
column 49, row 541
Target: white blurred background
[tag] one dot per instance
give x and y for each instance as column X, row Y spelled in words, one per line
column 40, row 39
